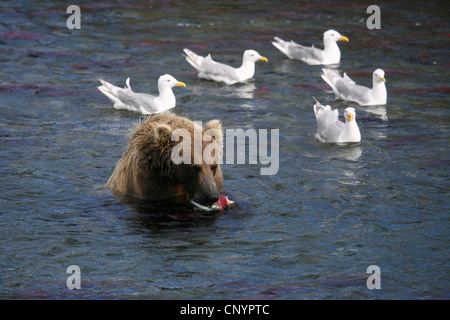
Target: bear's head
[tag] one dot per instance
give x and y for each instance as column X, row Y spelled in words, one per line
column 191, row 156
column 172, row 159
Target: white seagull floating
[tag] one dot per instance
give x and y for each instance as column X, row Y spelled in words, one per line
column 126, row 98
column 346, row 89
column 216, row 71
column 331, row 130
column 311, row 55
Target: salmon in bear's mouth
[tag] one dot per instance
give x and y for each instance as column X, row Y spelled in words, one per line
column 219, row 205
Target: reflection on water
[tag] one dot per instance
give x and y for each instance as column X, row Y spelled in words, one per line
column 308, row 232
column 244, row 91
column 380, row 111
column 351, row 152
column 238, row 91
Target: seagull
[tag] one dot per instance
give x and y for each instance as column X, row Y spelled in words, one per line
column 216, row 71
column 311, row 55
column 331, row 130
column 346, row 89
column 141, row 102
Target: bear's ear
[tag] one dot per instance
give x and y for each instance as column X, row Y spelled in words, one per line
column 163, row 135
column 216, row 130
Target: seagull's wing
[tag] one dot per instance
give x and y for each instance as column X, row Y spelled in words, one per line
column 310, row 55
column 329, row 127
column 210, row 69
column 345, row 88
column 126, row 98
column 218, row 71
column 142, row 102
column 352, row 92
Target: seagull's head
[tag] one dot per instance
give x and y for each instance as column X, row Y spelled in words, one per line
column 252, row 55
column 378, row 76
column 349, row 114
column 168, row 81
column 334, row 36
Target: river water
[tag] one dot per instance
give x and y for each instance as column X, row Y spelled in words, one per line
column 308, row 232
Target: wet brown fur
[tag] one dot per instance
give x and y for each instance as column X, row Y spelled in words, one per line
column 146, row 170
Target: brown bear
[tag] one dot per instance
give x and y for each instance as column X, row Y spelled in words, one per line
column 148, row 170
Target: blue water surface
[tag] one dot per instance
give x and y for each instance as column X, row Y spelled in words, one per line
column 308, row 232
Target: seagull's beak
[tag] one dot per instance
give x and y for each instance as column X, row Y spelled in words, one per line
column 181, row 84
column 343, row 38
column 383, row 79
column 263, row 59
column 350, row 116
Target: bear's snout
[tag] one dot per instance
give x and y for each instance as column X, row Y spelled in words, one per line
column 202, row 183
column 206, row 191
column 207, row 198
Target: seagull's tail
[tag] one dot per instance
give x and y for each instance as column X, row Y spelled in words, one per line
column 127, row 84
column 329, row 76
column 281, row 45
column 194, row 59
column 110, row 90
column 317, row 107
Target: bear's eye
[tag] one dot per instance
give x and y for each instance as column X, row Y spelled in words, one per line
column 214, row 168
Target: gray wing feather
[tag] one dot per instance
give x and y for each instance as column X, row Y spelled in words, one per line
column 138, row 100
column 300, row 52
column 329, row 127
column 352, row 92
column 211, row 68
